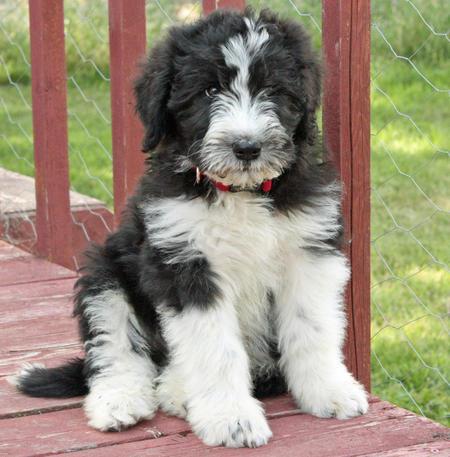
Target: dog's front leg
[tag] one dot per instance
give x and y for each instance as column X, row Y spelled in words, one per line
column 311, row 326
column 207, row 351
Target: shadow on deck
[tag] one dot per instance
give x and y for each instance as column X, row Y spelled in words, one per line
column 35, row 325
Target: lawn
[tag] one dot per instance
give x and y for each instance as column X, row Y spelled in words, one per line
column 410, row 169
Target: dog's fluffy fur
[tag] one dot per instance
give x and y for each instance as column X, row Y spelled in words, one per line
column 203, row 300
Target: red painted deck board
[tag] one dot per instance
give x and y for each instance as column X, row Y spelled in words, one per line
column 11, row 359
column 41, row 333
column 19, row 267
column 35, row 325
column 437, row 449
column 289, row 441
column 14, row 404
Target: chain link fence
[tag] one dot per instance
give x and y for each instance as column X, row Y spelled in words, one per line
column 410, row 163
column 89, row 108
column 411, row 204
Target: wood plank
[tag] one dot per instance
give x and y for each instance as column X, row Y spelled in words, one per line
column 49, row 86
column 15, row 404
column 17, row 195
column 336, row 20
column 289, row 440
column 40, row 333
column 91, row 221
column 26, row 269
column 127, row 39
column 383, row 427
column 18, row 297
column 346, row 126
column 437, row 448
column 89, row 225
column 360, row 137
column 21, row 309
column 211, row 5
column 64, row 431
column 8, row 251
column 67, row 430
column 11, row 361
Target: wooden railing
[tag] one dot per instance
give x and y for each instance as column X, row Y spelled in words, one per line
column 346, row 48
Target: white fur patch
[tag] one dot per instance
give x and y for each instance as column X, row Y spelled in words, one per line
column 208, row 356
column 25, row 370
column 253, row 250
column 311, row 327
column 237, row 114
column 240, row 239
column 241, row 49
column 121, row 392
column 245, row 244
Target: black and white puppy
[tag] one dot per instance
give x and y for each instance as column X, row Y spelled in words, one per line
column 224, row 281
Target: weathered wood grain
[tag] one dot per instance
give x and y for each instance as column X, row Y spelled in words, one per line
column 436, row 449
column 28, row 269
column 17, row 300
column 11, row 361
column 90, row 220
column 40, row 333
column 127, row 39
column 300, row 435
column 49, row 87
column 346, row 126
column 15, row 404
column 64, row 431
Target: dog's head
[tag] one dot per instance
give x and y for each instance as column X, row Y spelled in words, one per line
column 237, row 93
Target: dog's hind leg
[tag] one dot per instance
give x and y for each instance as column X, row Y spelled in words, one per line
column 120, row 373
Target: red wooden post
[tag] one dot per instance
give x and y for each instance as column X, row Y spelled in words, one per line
column 127, row 39
column 48, row 74
column 346, row 117
column 210, row 5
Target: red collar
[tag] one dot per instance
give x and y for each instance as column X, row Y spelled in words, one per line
column 265, row 186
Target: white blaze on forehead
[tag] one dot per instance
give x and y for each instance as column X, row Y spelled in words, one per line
column 236, row 108
column 236, row 113
column 241, row 49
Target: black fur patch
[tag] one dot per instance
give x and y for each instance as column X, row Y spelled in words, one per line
column 172, row 102
column 61, row 382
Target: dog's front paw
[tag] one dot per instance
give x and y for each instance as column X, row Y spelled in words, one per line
column 110, row 409
column 232, row 426
column 342, row 398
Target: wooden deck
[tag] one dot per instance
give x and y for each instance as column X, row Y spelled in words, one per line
column 35, row 325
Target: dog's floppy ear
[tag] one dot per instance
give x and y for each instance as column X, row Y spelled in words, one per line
column 307, row 129
column 309, row 70
column 310, row 73
column 152, row 91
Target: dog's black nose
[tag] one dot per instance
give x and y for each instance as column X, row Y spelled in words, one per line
column 246, row 149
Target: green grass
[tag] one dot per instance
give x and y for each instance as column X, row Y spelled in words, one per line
column 410, row 173
column 411, row 289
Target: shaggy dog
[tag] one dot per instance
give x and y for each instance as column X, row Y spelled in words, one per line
column 224, row 281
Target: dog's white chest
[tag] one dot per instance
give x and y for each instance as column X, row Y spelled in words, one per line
column 240, row 239
column 242, row 243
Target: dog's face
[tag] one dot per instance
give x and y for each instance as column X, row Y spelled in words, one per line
column 237, row 93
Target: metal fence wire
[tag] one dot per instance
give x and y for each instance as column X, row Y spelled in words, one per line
column 410, row 155
column 410, row 204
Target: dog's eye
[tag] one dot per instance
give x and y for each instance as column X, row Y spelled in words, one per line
column 211, row 92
